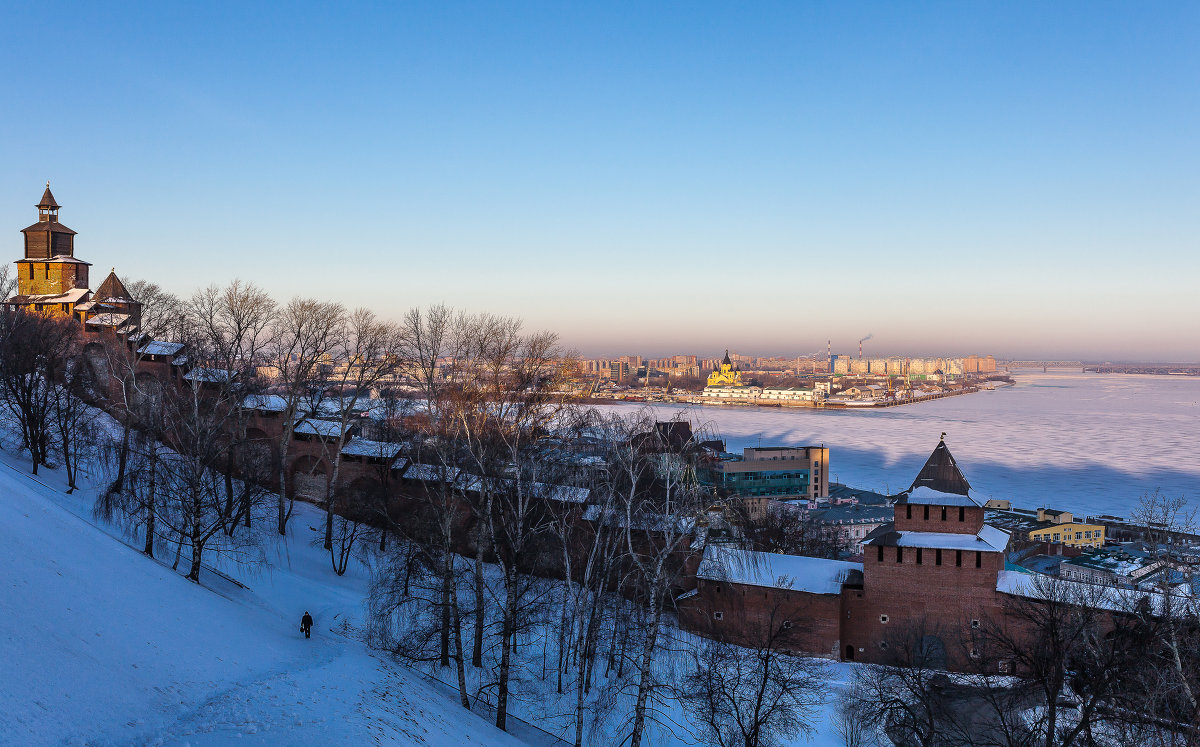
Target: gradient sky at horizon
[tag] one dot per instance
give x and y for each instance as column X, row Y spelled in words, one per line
column 1009, row 178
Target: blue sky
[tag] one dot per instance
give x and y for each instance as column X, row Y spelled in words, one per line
column 1013, row 178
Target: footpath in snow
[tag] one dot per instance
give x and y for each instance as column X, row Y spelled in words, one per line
column 104, row 646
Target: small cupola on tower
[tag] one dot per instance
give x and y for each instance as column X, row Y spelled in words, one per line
column 48, row 237
column 48, row 207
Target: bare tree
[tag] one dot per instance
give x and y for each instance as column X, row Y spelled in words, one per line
column 658, row 508
column 229, row 328
column 73, row 419
column 193, row 496
column 850, row 723
column 417, row 589
column 436, row 344
column 1158, row 704
column 137, row 505
column 1164, row 522
column 407, row 605
column 302, row 336
column 363, row 353
column 902, row 699
column 116, row 367
column 590, row 553
column 444, row 348
column 1075, row 644
column 789, row 530
column 8, row 282
column 431, row 345
column 515, row 399
column 134, row 497
column 35, row 350
column 758, row 696
column 346, row 532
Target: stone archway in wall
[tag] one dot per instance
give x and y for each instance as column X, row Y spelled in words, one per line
column 309, row 479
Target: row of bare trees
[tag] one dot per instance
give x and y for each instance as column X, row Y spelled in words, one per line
column 239, row 346
column 488, row 556
column 494, row 559
column 493, row 550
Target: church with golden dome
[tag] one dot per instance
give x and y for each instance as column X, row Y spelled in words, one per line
column 726, row 375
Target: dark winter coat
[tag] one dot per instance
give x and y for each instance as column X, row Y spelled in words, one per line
column 306, row 621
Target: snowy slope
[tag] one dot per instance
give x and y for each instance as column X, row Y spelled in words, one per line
column 102, row 645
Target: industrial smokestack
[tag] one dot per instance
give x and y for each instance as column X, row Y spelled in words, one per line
column 860, row 342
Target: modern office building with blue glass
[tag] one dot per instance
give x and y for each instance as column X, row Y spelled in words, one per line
column 775, row 472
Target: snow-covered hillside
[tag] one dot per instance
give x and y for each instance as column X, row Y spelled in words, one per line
column 102, row 645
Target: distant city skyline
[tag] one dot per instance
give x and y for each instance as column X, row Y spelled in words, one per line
column 716, row 355
column 1012, row 179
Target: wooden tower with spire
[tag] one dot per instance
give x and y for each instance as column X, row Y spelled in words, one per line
column 49, row 275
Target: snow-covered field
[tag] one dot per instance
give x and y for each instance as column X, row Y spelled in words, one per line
column 1086, row 443
column 104, row 646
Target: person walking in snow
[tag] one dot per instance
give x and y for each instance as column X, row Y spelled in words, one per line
column 306, row 624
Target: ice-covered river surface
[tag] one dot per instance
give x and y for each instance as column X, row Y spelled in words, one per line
column 1085, row 443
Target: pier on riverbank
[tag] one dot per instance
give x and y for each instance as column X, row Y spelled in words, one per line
column 692, row 398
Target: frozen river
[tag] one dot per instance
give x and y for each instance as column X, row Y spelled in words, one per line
column 1086, row 443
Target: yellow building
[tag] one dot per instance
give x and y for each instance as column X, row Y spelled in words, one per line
column 726, row 375
column 1060, row 527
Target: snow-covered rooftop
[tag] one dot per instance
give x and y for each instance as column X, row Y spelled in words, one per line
column 108, row 320
column 378, row 449
column 71, row 296
column 642, row 522
column 926, row 496
column 563, row 493
column 1039, row 586
column 323, row 428
column 157, row 347
column 211, row 375
column 989, row 539
column 1120, row 564
column 810, row 575
column 265, row 402
column 429, row 472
